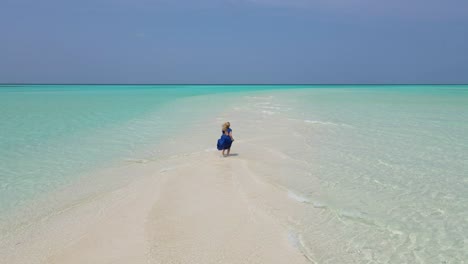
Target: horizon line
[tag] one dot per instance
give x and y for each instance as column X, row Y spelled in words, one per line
column 232, row 84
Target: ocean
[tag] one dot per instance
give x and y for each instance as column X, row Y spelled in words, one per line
column 52, row 134
column 384, row 168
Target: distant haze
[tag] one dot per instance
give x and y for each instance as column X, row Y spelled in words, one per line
column 234, row 41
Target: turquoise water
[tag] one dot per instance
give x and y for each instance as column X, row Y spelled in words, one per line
column 387, row 166
column 52, row 134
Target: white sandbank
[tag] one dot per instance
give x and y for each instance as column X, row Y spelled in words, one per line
column 190, row 207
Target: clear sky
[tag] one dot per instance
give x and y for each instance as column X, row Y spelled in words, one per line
column 234, row 41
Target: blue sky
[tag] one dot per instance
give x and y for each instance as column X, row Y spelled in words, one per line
column 234, row 41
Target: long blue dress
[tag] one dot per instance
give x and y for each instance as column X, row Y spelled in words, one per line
column 225, row 141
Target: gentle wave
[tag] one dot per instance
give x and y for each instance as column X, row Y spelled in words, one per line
column 297, row 197
column 325, row 123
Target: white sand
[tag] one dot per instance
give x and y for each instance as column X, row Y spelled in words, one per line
column 192, row 208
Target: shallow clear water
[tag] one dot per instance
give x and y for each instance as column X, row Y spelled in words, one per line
column 385, row 166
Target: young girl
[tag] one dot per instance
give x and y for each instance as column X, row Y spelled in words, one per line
column 224, row 143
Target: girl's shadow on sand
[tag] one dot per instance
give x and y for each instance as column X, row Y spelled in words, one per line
column 230, row 155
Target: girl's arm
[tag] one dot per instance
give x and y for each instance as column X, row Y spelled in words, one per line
column 230, row 135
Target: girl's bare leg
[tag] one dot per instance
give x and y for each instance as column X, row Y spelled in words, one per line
column 229, row 150
column 223, row 152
